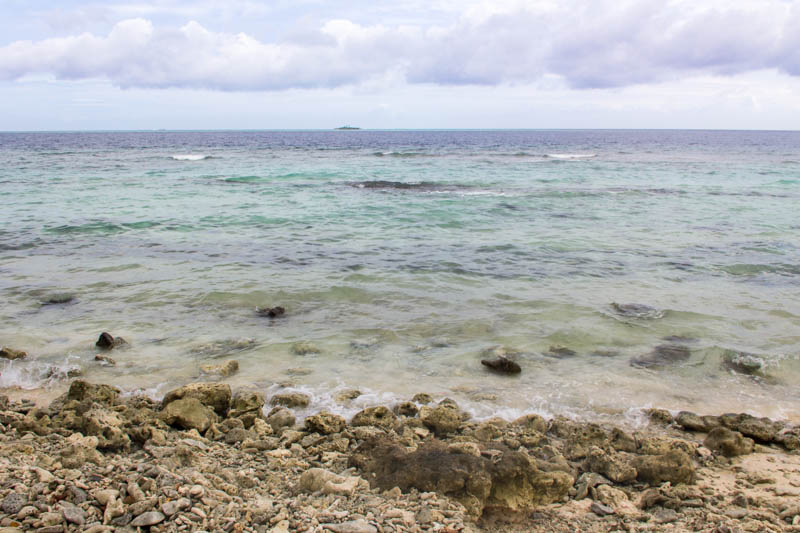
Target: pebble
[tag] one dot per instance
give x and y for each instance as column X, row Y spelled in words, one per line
column 149, row 518
column 13, row 503
column 352, row 526
column 601, row 510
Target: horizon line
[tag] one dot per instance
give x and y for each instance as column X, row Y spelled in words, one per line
column 213, row 130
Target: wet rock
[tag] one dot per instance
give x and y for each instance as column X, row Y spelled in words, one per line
column 351, row 526
column 189, row 413
column 106, row 360
column 271, row 312
column 692, row 422
column 408, row 409
column 81, row 391
column 325, row 423
column 346, row 396
column 728, row 442
column 422, row 398
column 636, row 311
column 12, row 354
column 442, row 419
column 279, row 418
column 743, row 363
column 247, row 405
column 659, row 416
column 214, row 395
column 291, row 400
column 149, row 518
column 761, row 429
column 663, row 355
column 106, row 341
column 375, row 416
column 502, row 478
column 531, row 422
column 304, row 348
column 225, row 369
column 58, row 298
column 560, row 352
column 502, row 365
column 674, row 466
column 13, row 503
column 318, row 479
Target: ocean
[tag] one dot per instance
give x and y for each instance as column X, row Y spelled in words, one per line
column 620, row 269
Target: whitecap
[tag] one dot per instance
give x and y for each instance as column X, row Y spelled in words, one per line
column 571, row 156
column 190, row 157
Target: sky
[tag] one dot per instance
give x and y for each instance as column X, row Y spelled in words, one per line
column 298, row 64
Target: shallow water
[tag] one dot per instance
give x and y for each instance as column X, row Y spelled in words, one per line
column 403, row 256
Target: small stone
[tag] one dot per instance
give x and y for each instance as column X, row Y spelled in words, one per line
column 149, row 518
column 106, row 360
column 737, row 513
column 352, row 526
column 325, row 423
column 665, row 516
column 197, row 491
column 13, row 503
column 171, row 507
column 74, row 515
column 601, row 510
column 560, row 352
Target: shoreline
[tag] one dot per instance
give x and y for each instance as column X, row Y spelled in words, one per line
column 205, row 458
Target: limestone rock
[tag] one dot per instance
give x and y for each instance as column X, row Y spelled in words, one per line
column 247, row 404
column 674, row 466
column 188, row 413
column 422, row 398
column 280, row 418
column 351, row 526
column 692, row 422
column 531, row 421
column 80, row 391
column 760, row 429
column 171, row 507
column 214, row 395
column 318, row 479
column 325, row 423
column 149, row 518
column 375, row 416
column 13, row 503
column 442, row 419
column 304, row 348
column 226, row 369
column 728, row 442
column 611, row 465
column 291, row 399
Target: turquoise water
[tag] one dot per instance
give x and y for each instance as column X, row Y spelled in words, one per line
column 402, row 256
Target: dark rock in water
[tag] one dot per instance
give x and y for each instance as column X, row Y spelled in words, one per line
column 59, row 298
column 663, row 354
column 11, row 353
column 727, row 442
column 680, row 339
column 636, row 311
column 743, row 363
column 560, row 352
column 271, row 312
column 502, row 365
column 105, row 360
column 106, row 341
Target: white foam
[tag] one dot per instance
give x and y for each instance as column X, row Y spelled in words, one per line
column 571, row 156
column 190, row 157
column 29, row 375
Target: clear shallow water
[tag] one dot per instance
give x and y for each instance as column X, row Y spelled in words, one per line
column 403, row 255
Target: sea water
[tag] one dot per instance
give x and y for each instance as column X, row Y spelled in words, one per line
column 406, row 257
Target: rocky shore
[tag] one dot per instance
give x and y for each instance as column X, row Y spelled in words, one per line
column 204, row 459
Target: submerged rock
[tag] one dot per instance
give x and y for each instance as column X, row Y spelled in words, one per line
column 636, row 311
column 662, row 355
column 59, row 298
column 560, row 352
column 12, row 354
column 106, row 341
column 106, row 360
column 225, row 369
column 291, row 399
column 304, row 348
column 502, row 365
column 271, row 312
column 743, row 363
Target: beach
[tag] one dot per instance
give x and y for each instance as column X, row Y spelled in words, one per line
column 207, row 459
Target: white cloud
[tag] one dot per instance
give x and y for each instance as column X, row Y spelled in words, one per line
column 588, row 44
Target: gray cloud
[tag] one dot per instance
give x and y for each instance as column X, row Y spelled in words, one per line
column 589, row 44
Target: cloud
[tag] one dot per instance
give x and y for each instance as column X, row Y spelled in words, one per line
column 585, row 43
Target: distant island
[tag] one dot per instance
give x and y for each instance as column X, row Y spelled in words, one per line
column 348, row 128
